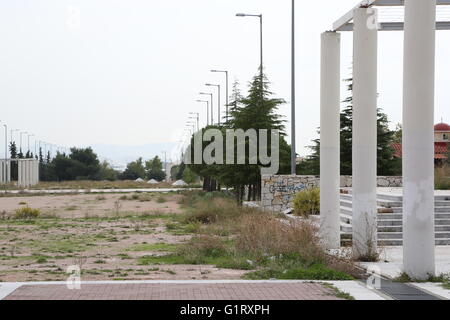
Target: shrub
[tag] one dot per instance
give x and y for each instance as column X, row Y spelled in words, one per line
column 215, row 210
column 27, row 213
column 307, row 203
column 264, row 236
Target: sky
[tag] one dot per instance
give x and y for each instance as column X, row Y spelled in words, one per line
column 127, row 72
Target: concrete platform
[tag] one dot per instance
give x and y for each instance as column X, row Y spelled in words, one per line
column 392, row 265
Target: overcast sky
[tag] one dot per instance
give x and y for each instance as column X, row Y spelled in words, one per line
column 127, row 72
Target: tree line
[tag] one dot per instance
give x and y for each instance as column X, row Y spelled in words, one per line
column 83, row 164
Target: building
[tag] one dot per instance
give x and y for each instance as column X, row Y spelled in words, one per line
column 441, row 143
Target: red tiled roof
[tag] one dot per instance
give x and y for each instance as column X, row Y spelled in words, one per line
column 440, row 150
column 442, row 127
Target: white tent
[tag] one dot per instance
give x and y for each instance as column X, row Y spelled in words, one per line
column 180, row 183
column 153, row 181
column 139, row 180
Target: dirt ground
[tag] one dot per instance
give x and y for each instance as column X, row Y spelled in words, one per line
column 91, row 205
column 107, row 235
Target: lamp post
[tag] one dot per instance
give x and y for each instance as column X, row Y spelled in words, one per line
column 261, row 41
column 293, row 129
column 5, row 170
column 21, row 140
column 212, row 105
column 207, row 110
column 192, row 124
column 218, row 97
column 29, row 135
column 197, row 117
column 6, row 141
column 226, row 75
column 190, row 129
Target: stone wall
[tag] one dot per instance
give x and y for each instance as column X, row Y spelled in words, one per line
column 278, row 191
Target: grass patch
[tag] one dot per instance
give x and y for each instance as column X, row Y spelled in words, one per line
column 27, row 213
column 231, row 236
column 443, row 278
column 161, row 200
column 158, row 247
column 338, row 293
column 296, row 271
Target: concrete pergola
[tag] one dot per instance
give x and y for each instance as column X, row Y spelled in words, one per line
column 419, row 25
column 28, row 172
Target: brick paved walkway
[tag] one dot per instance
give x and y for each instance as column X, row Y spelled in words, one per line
column 226, row 291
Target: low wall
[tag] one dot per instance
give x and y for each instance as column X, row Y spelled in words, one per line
column 278, row 191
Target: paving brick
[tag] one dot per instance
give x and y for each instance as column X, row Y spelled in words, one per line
column 227, row 291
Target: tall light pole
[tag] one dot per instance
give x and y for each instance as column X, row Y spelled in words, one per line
column 5, row 173
column 190, row 129
column 192, row 124
column 6, row 141
column 212, row 105
column 260, row 16
column 197, row 117
column 22, row 133
column 293, row 129
column 218, row 97
column 29, row 135
column 226, row 75
column 207, row 110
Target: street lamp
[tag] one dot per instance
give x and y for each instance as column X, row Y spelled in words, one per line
column 21, row 140
column 226, row 75
column 293, row 129
column 29, row 135
column 218, row 88
column 207, row 110
column 261, row 40
column 197, row 117
column 212, row 105
column 6, row 141
column 5, row 171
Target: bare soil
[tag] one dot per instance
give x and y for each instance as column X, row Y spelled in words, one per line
column 103, row 234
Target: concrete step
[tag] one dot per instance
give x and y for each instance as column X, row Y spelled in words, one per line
column 390, row 223
column 347, row 219
column 399, row 228
column 387, row 201
column 390, row 197
column 347, row 241
column 399, row 235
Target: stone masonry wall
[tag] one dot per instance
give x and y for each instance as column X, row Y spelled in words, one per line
column 278, row 191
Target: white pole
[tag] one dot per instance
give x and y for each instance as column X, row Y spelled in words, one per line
column 329, row 139
column 365, row 133
column 418, row 138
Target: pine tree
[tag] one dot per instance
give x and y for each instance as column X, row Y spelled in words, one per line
column 387, row 164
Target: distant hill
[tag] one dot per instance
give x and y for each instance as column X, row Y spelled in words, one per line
column 119, row 156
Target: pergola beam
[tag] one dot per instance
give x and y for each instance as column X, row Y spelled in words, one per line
column 397, row 26
column 343, row 23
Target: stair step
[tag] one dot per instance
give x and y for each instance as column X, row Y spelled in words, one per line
column 394, row 242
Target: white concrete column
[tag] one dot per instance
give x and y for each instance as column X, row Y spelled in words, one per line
column 330, row 140
column 27, row 173
column 34, row 173
column 19, row 173
column 2, row 171
column 37, row 172
column 8, row 172
column 365, row 40
column 418, row 138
